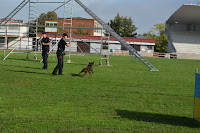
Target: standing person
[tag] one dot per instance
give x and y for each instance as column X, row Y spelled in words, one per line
column 60, row 53
column 45, row 41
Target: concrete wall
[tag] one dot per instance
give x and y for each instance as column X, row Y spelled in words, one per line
column 14, row 31
column 73, row 47
column 188, row 56
column 24, row 31
column 183, row 38
column 95, row 46
column 185, row 56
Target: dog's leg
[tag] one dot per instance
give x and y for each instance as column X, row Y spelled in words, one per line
column 85, row 73
column 81, row 72
column 92, row 72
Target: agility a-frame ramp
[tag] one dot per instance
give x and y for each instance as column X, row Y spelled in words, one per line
column 105, row 26
column 119, row 38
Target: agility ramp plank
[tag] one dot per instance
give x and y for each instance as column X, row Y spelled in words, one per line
column 119, row 38
column 15, row 11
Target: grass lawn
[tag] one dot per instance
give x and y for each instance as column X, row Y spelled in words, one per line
column 125, row 97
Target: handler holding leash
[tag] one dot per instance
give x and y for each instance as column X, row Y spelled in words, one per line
column 45, row 41
column 60, row 54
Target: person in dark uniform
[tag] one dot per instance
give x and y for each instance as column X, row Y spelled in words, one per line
column 45, row 41
column 60, row 54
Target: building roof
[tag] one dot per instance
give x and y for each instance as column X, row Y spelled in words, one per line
column 86, row 37
column 12, row 20
column 79, row 18
column 186, row 14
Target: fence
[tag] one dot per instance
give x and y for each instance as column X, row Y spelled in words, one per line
column 178, row 55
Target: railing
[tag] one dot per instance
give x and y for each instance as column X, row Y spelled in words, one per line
column 170, row 38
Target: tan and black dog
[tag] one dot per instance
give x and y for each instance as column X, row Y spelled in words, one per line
column 87, row 69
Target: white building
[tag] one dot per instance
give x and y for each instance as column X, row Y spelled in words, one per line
column 98, row 32
column 52, row 24
column 183, row 30
column 143, row 46
column 14, row 35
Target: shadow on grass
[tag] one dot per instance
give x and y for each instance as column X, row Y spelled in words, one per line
column 22, row 66
column 38, row 60
column 19, row 71
column 75, row 75
column 82, row 65
column 23, row 59
column 158, row 118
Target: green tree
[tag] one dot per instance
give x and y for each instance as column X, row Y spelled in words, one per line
column 52, row 15
column 123, row 26
column 81, row 31
column 158, row 33
column 43, row 17
column 41, row 21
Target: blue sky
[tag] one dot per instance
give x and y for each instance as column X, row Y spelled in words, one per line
column 144, row 13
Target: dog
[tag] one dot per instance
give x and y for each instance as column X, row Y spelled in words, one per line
column 87, row 69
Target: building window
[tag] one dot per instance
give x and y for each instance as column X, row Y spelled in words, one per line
column 95, row 26
column 15, row 27
column 98, row 25
column 189, row 27
column 2, row 27
column 52, row 24
column 194, row 27
column 149, row 47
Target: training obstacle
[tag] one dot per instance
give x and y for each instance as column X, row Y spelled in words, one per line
column 196, row 114
column 33, row 21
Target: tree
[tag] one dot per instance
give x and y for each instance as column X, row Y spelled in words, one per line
column 81, row 31
column 43, row 17
column 41, row 22
column 123, row 26
column 158, row 33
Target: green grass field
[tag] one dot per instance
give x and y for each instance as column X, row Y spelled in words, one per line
column 125, row 97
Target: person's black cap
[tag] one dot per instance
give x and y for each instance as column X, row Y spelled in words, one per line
column 65, row 34
column 43, row 32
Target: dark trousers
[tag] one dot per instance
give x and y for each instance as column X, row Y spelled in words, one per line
column 60, row 63
column 44, row 57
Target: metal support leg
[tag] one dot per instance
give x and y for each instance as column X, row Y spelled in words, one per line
column 4, row 53
column 27, row 57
